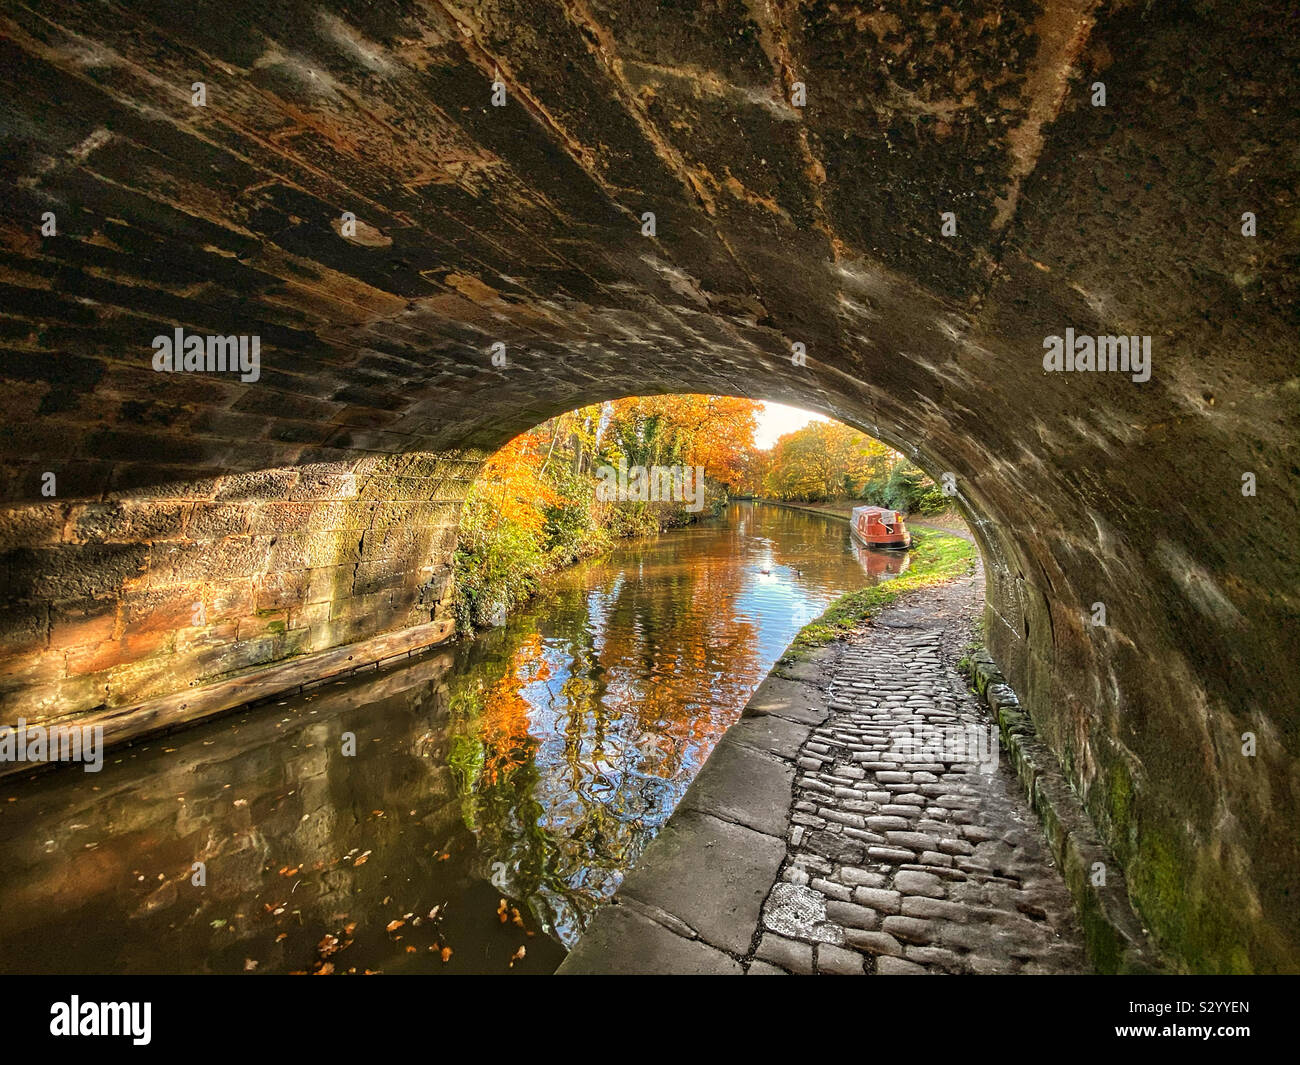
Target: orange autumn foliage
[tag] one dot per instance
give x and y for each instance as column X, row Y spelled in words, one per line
column 512, row 480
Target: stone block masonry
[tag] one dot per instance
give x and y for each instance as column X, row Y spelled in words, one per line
column 117, row 603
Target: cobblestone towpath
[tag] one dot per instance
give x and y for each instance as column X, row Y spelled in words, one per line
column 859, row 819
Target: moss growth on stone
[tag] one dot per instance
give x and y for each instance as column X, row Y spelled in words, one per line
column 1199, row 908
column 1120, row 807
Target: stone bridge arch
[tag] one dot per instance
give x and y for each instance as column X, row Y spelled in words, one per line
column 136, row 204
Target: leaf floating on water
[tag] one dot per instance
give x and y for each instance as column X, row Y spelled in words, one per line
column 433, row 913
column 349, row 928
column 325, row 969
column 327, row 946
column 446, row 953
column 281, row 936
column 518, row 955
column 410, row 950
column 250, row 964
column 515, row 919
column 361, row 860
column 444, row 856
column 238, row 802
column 220, row 922
column 393, row 926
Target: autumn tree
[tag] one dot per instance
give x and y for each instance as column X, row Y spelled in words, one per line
column 825, row 460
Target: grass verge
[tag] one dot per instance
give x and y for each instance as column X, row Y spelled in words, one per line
column 937, row 558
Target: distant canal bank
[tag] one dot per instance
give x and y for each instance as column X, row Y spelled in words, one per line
column 949, row 521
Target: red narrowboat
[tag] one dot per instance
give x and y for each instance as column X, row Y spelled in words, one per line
column 878, row 527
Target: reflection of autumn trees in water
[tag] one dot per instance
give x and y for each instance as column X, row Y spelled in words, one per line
column 573, row 758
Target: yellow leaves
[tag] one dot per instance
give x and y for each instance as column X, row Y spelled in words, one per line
column 394, row 925
column 716, row 432
column 506, row 912
column 512, row 483
column 814, row 461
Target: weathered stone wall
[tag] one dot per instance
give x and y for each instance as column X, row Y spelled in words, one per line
column 522, row 225
column 114, row 603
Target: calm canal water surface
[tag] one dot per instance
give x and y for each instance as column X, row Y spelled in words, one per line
column 532, row 763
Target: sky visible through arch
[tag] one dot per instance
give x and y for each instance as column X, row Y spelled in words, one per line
column 776, row 419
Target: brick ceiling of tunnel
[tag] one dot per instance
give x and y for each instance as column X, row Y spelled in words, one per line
column 522, row 224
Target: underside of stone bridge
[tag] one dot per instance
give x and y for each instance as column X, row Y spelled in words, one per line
column 918, row 193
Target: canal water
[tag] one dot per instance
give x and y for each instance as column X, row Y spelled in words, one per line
column 499, row 790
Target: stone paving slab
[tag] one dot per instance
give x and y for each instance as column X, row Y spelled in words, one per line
column 710, row 874
column 795, row 700
column 744, row 785
column 620, row 941
column 771, row 733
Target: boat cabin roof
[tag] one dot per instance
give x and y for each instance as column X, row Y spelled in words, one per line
column 875, row 510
